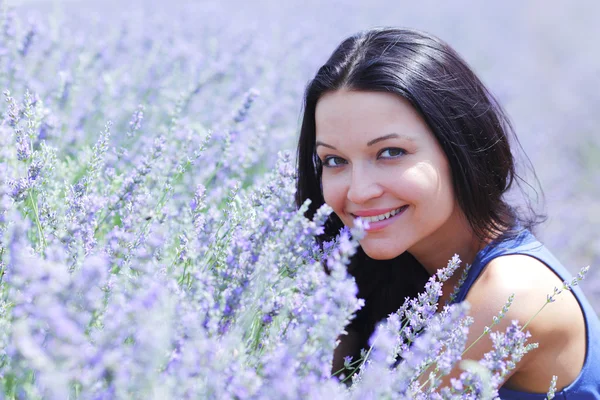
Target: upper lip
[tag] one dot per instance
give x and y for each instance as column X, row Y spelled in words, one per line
column 374, row 211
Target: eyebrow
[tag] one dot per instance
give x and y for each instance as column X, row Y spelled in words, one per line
column 372, row 142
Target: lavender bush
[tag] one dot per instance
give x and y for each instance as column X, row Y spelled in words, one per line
column 149, row 243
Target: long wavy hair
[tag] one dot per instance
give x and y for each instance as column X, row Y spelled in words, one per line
column 469, row 124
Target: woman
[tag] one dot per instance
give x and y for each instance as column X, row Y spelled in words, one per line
column 398, row 130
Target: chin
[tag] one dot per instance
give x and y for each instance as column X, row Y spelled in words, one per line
column 380, row 254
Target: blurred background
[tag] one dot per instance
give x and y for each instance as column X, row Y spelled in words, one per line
column 540, row 58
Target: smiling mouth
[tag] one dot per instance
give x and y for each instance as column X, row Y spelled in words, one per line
column 384, row 216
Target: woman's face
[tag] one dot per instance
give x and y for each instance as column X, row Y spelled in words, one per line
column 381, row 160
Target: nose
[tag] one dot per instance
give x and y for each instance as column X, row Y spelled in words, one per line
column 364, row 186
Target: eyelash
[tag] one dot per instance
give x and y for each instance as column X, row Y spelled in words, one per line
column 402, row 151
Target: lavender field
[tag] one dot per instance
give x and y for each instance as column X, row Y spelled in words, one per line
column 149, row 242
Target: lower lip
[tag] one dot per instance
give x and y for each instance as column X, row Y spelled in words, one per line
column 379, row 225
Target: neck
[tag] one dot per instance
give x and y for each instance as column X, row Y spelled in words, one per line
column 454, row 237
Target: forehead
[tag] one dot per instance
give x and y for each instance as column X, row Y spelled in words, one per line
column 369, row 114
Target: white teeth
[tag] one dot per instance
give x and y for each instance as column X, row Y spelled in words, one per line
column 381, row 217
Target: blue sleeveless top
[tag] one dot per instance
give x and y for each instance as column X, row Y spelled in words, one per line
column 587, row 385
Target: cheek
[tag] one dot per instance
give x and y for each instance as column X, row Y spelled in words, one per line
column 334, row 193
column 419, row 183
column 426, row 185
column 436, row 190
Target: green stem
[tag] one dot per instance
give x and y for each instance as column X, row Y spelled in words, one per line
column 349, row 365
column 2, row 274
column 428, row 379
column 37, row 220
column 362, row 363
column 473, row 344
column 535, row 315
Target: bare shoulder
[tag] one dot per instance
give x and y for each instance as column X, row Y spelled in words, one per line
column 531, row 281
column 559, row 328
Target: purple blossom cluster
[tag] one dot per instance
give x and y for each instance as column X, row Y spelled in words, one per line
column 149, row 242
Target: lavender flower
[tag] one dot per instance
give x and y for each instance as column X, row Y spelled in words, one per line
column 242, row 113
column 552, row 389
column 136, row 120
column 13, row 114
column 28, row 41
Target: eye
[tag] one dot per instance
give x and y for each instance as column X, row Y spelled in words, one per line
column 391, row 152
column 333, row 161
